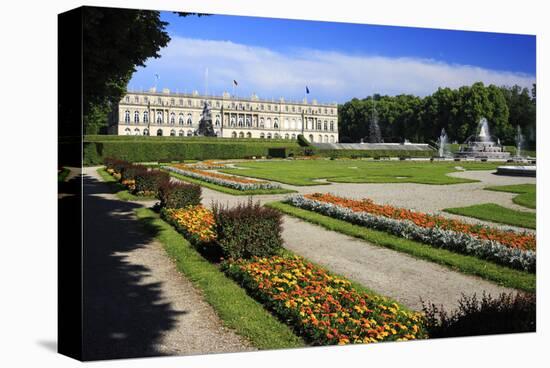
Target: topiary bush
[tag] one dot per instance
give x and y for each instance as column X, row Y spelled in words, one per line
column 149, row 181
column 179, row 195
column 508, row 313
column 248, row 230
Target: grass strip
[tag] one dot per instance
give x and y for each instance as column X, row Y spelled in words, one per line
column 467, row 264
column 227, row 190
column 236, row 309
column 527, row 193
column 496, row 213
column 120, row 190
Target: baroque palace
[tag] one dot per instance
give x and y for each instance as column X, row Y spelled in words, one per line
column 178, row 114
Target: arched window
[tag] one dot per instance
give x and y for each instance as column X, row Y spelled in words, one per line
column 159, row 117
column 286, row 136
column 189, row 133
column 145, row 116
column 217, row 123
column 232, row 123
column 173, row 133
column 262, row 123
column 331, row 139
column 248, row 135
column 241, row 135
column 181, row 133
column 159, row 132
column 293, row 136
column 189, row 119
column 136, row 117
column 268, row 135
column 145, row 131
column 127, row 117
column 127, row 131
column 325, row 125
column 172, row 118
column 248, row 122
column 276, row 123
column 320, row 138
column 262, row 135
column 326, row 138
column 332, row 125
column 318, row 125
column 234, row 135
column 181, row 119
column 286, row 124
column 276, row 136
column 136, row 131
column 293, row 124
column 311, row 137
column 240, row 121
column 268, row 125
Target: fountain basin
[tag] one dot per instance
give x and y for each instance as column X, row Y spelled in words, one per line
column 517, row 170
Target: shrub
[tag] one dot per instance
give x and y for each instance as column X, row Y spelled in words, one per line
column 130, row 171
column 508, row 313
column 248, row 230
column 302, row 141
column 148, row 182
column 178, row 195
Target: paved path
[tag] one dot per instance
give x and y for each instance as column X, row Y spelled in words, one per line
column 385, row 271
column 136, row 302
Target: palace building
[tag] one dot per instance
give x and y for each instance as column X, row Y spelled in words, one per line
column 178, row 114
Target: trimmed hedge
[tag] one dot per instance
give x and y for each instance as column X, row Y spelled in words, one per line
column 508, row 313
column 165, row 151
column 149, row 181
column 248, row 230
column 179, row 195
column 345, row 153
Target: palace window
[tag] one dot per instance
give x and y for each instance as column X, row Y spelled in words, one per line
column 172, row 102
column 136, row 131
column 159, row 117
column 145, row 131
column 181, row 101
column 293, row 108
column 232, row 123
column 136, row 99
column 276, row 108
column 262, row 135
column 269, row 107
column 189, row 103
column 293, row 136
column 248, row 122
column 262, row 123
column 325, row 125
column 159, row 101
column 320, row 138
column 127, row 116
column 240, row 123
column 145, row 116
column 217, row 120
column 275, row 123
column 159, row 132
column 136, row 117
column 248, row 135
column 189, row 119
column 181, row 133
column 172, row 133
column 172, row 119
column 248, row 106
column 286, row 108
column 233, row 105
column 262, row 107
column 311, row 137
column 276, row 136
column 146, row 99
column 127, row 131
column 127, row 98
column 318, row 125
column 234, row 135
column 240, row 106
column 181, row 119
column 325, row 110
column 189, row 133
column 332, row 125
column 218, row 104
column 286, row 136
column 331, row 139
column 268, row 135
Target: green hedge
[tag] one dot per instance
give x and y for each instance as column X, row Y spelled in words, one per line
column 143, row 151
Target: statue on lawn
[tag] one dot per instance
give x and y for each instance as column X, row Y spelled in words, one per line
column 205, row 124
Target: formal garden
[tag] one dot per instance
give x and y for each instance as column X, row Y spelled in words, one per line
column 275, row 297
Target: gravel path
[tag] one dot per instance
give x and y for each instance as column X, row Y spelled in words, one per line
column 136, row 302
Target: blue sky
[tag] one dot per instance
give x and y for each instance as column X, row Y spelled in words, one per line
column 337, row 61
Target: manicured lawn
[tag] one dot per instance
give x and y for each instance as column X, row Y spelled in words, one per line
column 236, row 309
column 304, row 172
column 496, row 213
column 527, row 193
column 463, row 263
column 227, row 190
column 121, row 191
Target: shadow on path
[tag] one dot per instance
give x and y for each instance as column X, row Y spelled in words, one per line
column 123, row 317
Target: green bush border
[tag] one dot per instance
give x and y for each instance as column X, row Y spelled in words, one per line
column 466, row 264
column 234, row 306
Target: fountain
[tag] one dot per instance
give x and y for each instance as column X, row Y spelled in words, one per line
column 519, row 142
column 520, row 170
column 443, row 141
column 482, row 145
column 375, row 136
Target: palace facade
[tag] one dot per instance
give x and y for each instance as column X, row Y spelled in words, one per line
column 178, row 114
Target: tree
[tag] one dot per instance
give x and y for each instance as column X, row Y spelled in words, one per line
column 115, row 42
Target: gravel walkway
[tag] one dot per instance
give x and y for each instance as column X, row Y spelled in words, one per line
column 136, row 302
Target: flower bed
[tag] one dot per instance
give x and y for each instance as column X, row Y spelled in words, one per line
column 516, row 250
column 229, row 181
column 323, row 308
column 195, row 222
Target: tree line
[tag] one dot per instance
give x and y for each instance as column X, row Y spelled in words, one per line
column 458, row 111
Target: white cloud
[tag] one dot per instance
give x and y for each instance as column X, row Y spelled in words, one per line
column 331, row 76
